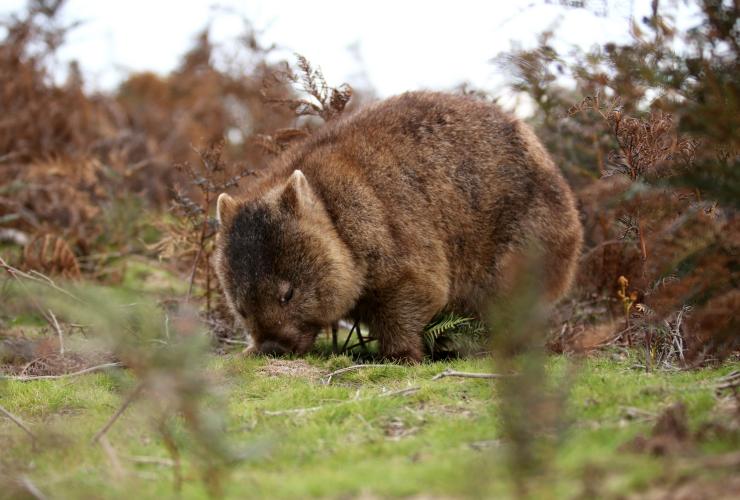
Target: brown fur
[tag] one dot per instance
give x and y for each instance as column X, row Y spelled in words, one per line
column 411, row 206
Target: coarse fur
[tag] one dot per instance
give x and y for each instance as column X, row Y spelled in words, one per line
column 413, row 205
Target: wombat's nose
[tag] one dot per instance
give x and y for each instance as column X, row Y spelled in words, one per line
column 271, row 347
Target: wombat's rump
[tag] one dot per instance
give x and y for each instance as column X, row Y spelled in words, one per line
column 411, row 206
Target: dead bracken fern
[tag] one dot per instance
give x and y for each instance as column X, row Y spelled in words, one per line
column 645, row 143
column 191, row 238
column 51, row 255
column 312, row 98
column 320, row 99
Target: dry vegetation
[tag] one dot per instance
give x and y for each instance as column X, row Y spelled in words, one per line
column 649, row 138
column 95, row 186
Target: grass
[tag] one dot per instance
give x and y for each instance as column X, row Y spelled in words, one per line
column 441, row 441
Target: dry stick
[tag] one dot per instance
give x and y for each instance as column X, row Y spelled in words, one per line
column 643, row 248
column 14, row 274
column 349, row 369
column 300, row 411
column 349, row 336
column 729, row 381
column 615, row 337
column 36, row 277
column 359, row 337
column 601, row 245
column 28, row 365
column 201, row 244
column 453, row 373
column 17, row 421
column 55, row 324
column 39, row 278
column 91, row 369
column 367, row 339
column 130, row 399
column 31, row 488
column 192, row 273
column 118, row 471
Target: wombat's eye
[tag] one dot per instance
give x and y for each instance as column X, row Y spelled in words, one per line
column 287, row 296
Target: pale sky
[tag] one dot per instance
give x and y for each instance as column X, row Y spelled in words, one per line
column 404, row 45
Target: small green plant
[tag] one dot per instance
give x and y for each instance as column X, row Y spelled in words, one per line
column 450, row 333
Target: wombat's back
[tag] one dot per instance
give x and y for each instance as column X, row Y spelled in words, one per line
column 444, row 185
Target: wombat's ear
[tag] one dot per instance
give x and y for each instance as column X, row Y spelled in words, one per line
column 297, row 193
column 225, row 209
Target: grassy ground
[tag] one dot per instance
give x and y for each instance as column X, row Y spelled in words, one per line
column 443, row 440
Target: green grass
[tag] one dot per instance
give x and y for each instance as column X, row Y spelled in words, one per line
column 359, row 443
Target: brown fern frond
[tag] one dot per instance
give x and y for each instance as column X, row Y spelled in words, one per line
column 51, row 255
column 319, row 98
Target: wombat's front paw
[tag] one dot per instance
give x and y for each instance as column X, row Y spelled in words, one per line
column 250, row 351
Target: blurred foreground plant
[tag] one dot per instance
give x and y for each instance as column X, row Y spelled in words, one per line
column 164, row 351
column 531, row 404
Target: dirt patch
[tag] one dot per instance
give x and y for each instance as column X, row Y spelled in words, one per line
column 700, row 489
column 20, row 356
column 669, row 435
column 291, row 368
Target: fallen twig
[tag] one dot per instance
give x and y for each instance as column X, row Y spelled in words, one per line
column 55, row 324
column 601, row 245
column 26, row 378
column 17, row 421
column 453, row 373
column 162, row 462
column 310, row 409
column 31, row 488
column 729, row 381
column 349, row 369
column 130, row 399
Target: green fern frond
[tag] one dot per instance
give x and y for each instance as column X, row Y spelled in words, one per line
column 443, row 324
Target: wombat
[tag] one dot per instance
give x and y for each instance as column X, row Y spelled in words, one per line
column 410, row 207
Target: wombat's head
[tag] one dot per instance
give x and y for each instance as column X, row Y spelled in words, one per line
column 282, row 266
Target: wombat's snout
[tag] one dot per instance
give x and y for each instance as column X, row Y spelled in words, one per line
column 272, row 348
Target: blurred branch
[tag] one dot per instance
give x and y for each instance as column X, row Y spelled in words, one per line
column 17, row 421
column 129, row 399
